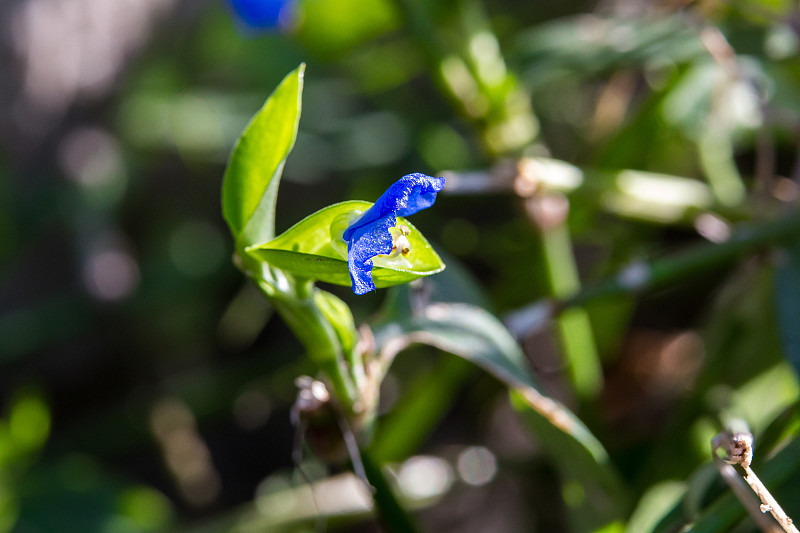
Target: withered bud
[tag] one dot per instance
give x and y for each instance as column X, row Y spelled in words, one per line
column 737, row 447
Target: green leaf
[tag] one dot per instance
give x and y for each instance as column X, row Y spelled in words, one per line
column 313, row 249
column 477, row 336
column 596, row 492
column 474, row 334
column 250, row 185
column 432, row 394
column 429, row 397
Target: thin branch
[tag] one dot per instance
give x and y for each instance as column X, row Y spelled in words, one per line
column 743, row 494
column 768, row 502
column 737, row 449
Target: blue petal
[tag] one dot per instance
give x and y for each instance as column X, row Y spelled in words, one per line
column 369, row 235
column 405, row 197
column 259, row 14
column 365, row 243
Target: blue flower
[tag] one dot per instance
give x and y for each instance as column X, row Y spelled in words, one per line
column 370, row 235
column 261, row 14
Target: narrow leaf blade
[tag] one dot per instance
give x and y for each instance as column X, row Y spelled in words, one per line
column 250, row 184
column 479, row 337
column 475, row 335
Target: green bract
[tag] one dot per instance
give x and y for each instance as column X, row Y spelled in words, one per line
column 313, row 248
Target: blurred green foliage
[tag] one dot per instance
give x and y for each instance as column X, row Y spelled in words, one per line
column 633, row 162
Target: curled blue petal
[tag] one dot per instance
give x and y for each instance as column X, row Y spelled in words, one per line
column 261, row 14
column 369, row 236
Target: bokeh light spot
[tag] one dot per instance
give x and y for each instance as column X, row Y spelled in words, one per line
column 476, row 465
column 424, row 477
column 29, row 423
column 146, row 508
column 110, row 273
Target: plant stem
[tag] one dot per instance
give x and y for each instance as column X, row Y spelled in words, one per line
column 724, row 513
column 737, row 449
column 391, row 514
column 575, row 331
column 693, row 261
column 311, row 327
column 742, row 493
column 769, row 503
column 716, row 158
column 641, row 276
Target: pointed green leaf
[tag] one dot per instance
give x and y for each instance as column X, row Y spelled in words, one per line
column 479, row 337
column 432, row 394
column 313, row 248
column 250, row 185
column 476, row 335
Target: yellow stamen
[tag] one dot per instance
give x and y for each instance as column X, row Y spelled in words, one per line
column 400, row 242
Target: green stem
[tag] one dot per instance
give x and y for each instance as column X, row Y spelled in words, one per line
column 312, row 328
column 655, row 198
column 644, row 276
column 391, row 514
column 322, row 323
column 338, row 314
column 716, row 158
column 575, row 331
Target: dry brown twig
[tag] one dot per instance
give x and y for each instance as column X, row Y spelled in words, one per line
column 737, row 449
